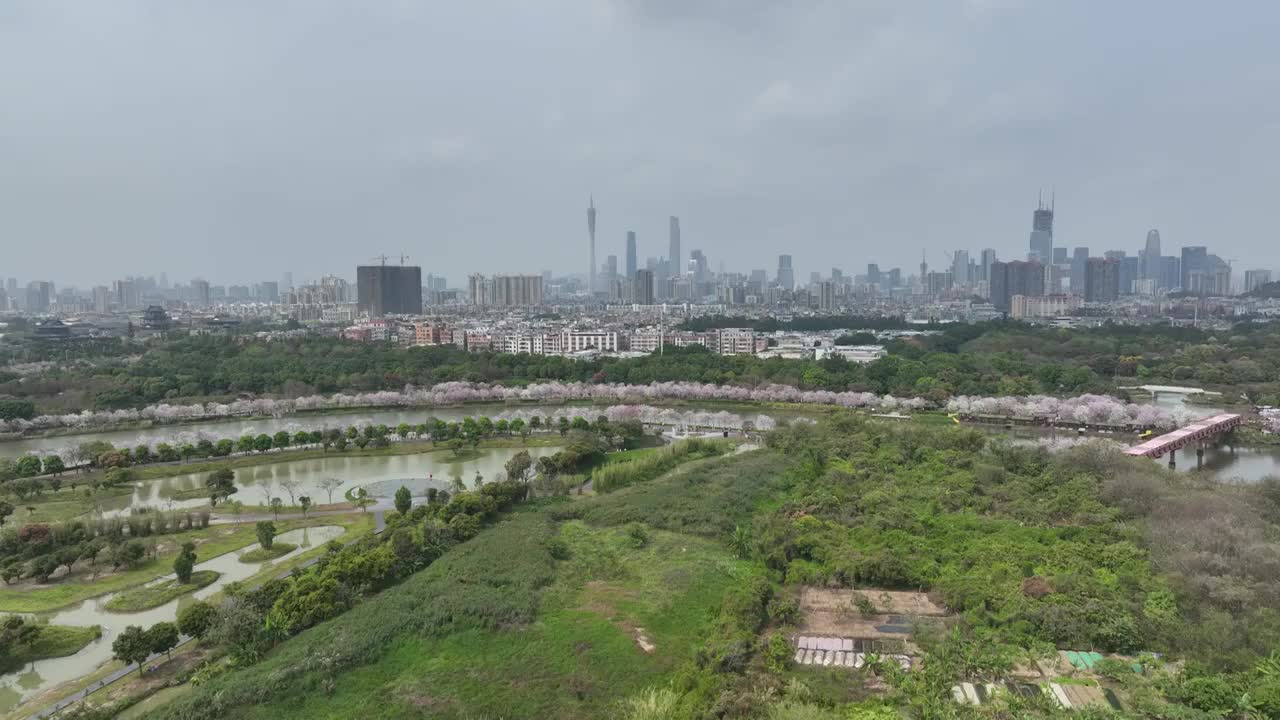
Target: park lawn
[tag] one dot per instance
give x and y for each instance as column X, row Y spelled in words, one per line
column 210, row 542
column 149, row 596
column 54, row 641
column 52, row 507
column 577, row 659
column 271, row 553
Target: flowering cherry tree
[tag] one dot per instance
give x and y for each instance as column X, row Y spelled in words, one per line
column 1084, row 408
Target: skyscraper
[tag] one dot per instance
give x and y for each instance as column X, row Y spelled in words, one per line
column 591, row 238
column 1015, row 278
column 984, row 268
column 1170, row 271
column 674, row 257
column 642, row 288
column 1079, row 259
column 631, row 265
column 389, row 290
column 1102, row 279
column 960, row 268
column 1041, row 244
column 1151, row 257
column 827, row 296
column 1195, row 262
column 786, row 275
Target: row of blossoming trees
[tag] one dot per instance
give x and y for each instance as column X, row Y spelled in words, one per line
column 227, row 441
column 1084, row 408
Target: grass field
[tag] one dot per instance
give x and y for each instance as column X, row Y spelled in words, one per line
column 54, row 641
column 52, row 507
column 575, row 660
column 149, row 596
column 210, row 542
column 499, row 628
column 271, row 553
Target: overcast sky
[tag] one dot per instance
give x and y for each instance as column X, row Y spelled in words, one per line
column 237, row 139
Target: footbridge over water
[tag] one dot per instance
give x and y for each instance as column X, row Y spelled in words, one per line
column 1194, row 434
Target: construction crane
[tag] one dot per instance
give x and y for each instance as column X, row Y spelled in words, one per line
column 403, row 257
column 383, row 258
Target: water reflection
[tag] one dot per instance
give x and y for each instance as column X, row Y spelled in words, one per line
column 43, row 674
column 259, row 483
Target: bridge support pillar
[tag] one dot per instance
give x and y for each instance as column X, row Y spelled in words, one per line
column 1173, row 454
column 1200, row 456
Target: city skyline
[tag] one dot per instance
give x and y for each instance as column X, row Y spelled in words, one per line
column 839, row 148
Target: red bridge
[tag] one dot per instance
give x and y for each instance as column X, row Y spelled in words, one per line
column 1182, row 437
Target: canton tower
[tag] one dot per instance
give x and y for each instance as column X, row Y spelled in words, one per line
column 591, row 236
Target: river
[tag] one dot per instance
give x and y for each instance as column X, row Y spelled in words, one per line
column 1249, row 464
column 43, row 674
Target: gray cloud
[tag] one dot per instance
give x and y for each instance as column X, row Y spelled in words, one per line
column 237, row 140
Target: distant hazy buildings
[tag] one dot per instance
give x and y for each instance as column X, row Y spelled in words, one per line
column 388, row 290
column 506, row 290
column 1254, row 279
column 1047, row 306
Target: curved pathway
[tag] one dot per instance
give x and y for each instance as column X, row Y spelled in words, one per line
column 379, row 525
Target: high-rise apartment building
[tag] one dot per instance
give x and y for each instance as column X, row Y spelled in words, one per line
column 201, row 294
column 517, row 290
column 827, row 296
column 632, row 265
column 388, row 290
column 102, row 299
column 128, row 295
column 505, row 290
column 1254, row 279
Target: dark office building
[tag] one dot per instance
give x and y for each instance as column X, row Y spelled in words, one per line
column 1195, row 260
column 1102, row 280
column 1015, row 278
column 389, row 290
